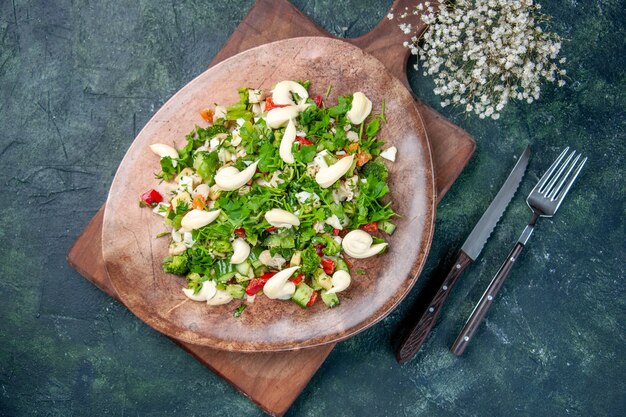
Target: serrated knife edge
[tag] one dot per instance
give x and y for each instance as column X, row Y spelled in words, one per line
column 476, row 240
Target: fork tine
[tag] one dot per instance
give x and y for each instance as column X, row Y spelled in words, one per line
column 554, row 178
column 568, row 184
column 546, row 176
column 554, row 191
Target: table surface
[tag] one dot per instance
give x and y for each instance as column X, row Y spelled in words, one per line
column 79, row 79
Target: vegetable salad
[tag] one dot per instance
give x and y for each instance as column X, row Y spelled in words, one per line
column 271, row 196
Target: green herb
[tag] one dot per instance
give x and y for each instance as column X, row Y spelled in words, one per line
column 206, row 164
column 239, row 310
column 310, row 260
column 293, row 188
column 168, row 171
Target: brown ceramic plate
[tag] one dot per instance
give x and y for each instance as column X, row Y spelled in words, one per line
column 133, row 255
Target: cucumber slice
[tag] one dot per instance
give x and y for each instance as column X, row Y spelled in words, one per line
column 243, row 268
column 340, row 264
column 331, row 300
column 387, row 227
column 242, row 278
column 235, row 290
column 302, row 295
column 224, row 270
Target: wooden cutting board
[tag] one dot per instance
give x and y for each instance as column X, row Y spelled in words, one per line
column 269, row 379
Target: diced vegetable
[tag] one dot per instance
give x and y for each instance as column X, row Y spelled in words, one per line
column 387, row 227
column 341, row 265
column 331, row 300
column 235, row 290
column 243, row 268
column 328, row 265
column 370, row 227
column 298, row 279
column 257, row 284
column 303, row 295
column 312, row 299
column 199, row 202
column 207, row 115
column 151, row 198
column 321, row 280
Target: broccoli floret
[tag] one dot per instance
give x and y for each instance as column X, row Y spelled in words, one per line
column 310, row 260
column 194, row 281
column 375, row 168
column 177, row 264
column 221, row 246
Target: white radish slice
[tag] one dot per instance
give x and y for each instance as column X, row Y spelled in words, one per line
column 281, row 94
column 207, row 291
column 230, row 178
column 334, row 222
column 203, row 190
column 241, row 250
column 361, row 108
column 281, row 218
column 286, row 142
column 278, row 285
column 326, row 177
column 164, row 150
column 390, row 154
column 220, row 297
column 358, row 244
column 196, row 218
column 278, row 117
column 340, row 280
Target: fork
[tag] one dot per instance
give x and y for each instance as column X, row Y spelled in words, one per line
column 544, row 200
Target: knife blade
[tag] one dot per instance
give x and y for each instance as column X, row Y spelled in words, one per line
column 417, row 333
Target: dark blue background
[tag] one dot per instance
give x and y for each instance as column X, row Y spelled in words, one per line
column 79, row 79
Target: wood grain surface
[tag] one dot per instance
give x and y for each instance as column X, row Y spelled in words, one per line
column 451, row 150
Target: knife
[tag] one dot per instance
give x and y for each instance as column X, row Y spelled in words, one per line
column 417, row 333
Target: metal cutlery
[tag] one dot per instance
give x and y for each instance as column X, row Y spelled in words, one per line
column 544, row 200
column 419, row 330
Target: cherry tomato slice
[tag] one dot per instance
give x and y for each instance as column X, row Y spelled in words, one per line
column 328, row 265
column 297, row 280
column 370, row 227
column 269, row 104
column 151, row 198
column 303, row 140
column 312, row 299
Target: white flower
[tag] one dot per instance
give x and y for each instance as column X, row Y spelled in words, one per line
column 481, row 53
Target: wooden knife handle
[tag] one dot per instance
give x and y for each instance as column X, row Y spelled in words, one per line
column 485, row 302
column 419, row 331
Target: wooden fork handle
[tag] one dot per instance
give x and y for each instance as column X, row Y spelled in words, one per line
column 485, row 302
column 419, row 331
